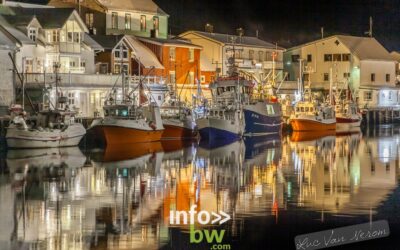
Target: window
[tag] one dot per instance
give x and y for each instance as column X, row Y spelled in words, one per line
column 121, row 51
column 191, row 77
column 32, row 33
column 117, row 54
column 89, row 20
column 260, row 55
column 117, row 68
column 367, row 96
column 77, row 37
column 127, row 21
column 270, row 110
column 71, row 98
column 326, row 77
column 337, row 57
column 328, row 57
column 306, row 77
column 156, row 23
column 191, row 55
column 172, row 53
column 309, row 58
column 70, row 37
column 202, row 79
column 387, row 77
column 251, row 54
column 373, row 77
column 345, row 57
column 28, row 65
column 346, row 75
column 83, row 64
column 390, row 95
column 143, row 23
column 295, row 58
column 54, row 36
column 172, row 76
column 114, row 20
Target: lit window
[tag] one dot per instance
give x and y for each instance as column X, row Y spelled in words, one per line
column 156, row 23
column 127, row 21
column 32, row 33
column 367, row 96
column 114, row 20
column 172, row 77
column 191, row 55
column 172, row 53
column 89, row 20
column 143, row 23
column 191, row 77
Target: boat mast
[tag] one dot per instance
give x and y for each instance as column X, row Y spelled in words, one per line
column 301, row 85
column 330, row 86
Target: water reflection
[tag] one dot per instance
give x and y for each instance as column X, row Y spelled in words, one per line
column 120, row 198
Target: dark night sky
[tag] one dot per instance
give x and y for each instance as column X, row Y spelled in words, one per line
column 287, row 22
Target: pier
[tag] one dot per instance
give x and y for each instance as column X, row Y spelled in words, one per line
column 387, row 115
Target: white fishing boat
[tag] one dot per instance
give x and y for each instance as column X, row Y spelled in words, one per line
column 53, row 128
column 49, row 128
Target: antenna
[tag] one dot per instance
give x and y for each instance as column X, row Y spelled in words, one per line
column 369, row 32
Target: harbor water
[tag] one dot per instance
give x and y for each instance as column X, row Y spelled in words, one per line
column 273, row 189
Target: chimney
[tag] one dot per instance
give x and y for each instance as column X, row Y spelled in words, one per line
column 209, row 28
column 240, row 32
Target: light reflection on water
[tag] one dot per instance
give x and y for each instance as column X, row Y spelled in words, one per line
column 120, row 198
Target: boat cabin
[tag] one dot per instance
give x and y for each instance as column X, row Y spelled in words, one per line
column 312, row 109
column 55, row 119
column 121, row 111
column 227, row 88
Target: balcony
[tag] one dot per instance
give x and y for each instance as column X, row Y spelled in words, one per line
column 41, row 80
column 269, row 64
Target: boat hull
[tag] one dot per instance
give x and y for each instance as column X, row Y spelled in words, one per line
column 212, row 128
column 258, row 123
column 344, row 124
column 174, row 130
column 123, row 135
column 70, row 137
column 311, row 125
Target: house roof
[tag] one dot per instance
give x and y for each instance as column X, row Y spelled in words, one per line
column 169, row 42
column 364, row 48
column 134, row 5
column 88, row 40
column 49, row 18
column 16, row 34
column 395, row 55
column 5, row 41
column 107, row 42
column 143, row 54
column 227, row 39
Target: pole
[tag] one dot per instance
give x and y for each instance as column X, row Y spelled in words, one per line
column 301, row 79
column 330, row 86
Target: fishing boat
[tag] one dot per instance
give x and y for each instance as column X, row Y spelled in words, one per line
column 312, row 115
column 126, row 122
column 347, row 115
column 237, row 112
column 53, row 128
column 50, row 128
column 178, row 121
column 224, row 118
